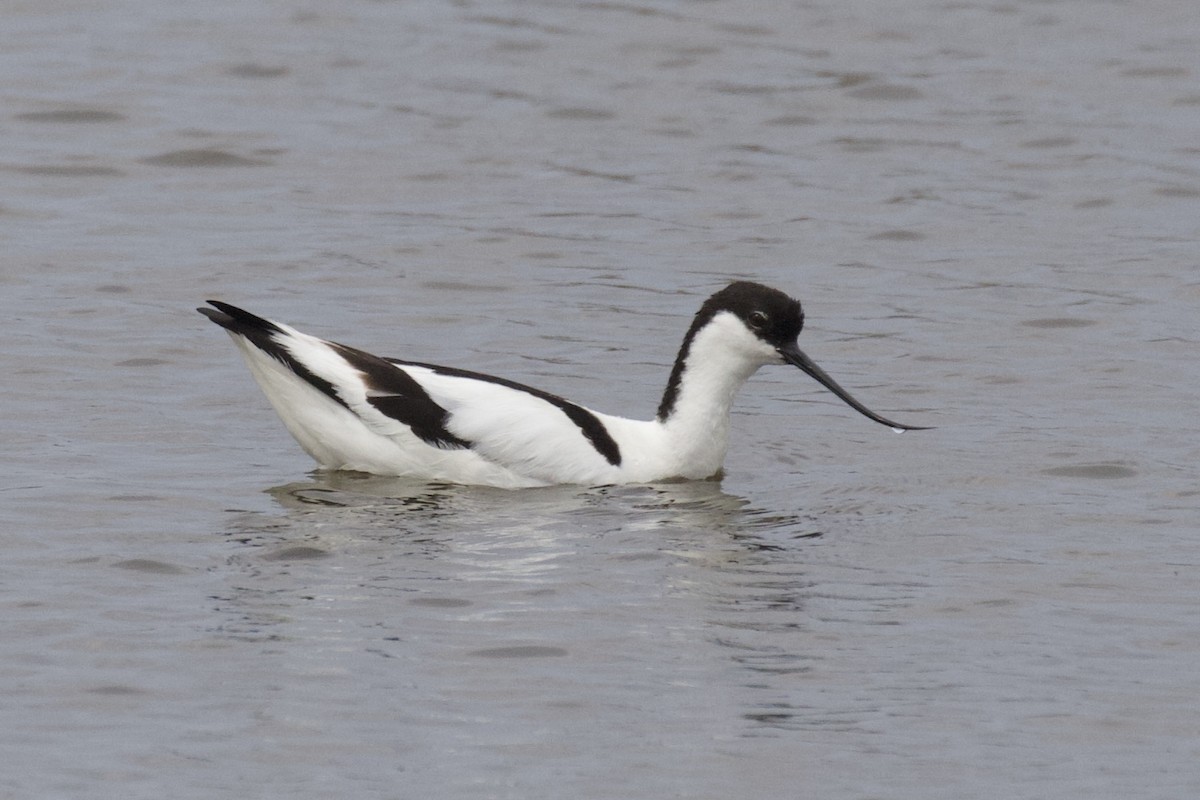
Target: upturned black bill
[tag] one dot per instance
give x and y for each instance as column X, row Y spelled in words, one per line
column 793, row 355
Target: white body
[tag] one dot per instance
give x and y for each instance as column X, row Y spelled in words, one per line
column 517, row 439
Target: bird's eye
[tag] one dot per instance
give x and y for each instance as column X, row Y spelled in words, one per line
column 757, row 319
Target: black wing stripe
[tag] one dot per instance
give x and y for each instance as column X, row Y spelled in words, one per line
column 402, row 398
column 589, row 424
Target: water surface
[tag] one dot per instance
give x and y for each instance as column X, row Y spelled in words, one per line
column 988, row 209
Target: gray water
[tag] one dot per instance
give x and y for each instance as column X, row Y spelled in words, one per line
column 989, row 209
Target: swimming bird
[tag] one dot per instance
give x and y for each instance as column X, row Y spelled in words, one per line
column 351, row 410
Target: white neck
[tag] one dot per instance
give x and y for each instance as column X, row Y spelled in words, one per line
column 721, row 357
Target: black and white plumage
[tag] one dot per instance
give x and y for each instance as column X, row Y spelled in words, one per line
column 353, row 410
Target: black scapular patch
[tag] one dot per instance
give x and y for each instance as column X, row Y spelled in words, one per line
column 400, row 397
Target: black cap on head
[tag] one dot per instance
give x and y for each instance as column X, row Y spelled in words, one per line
column 771, row 314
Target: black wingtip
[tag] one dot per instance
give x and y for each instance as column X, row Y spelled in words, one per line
column 216, row 316
column 239, row 320
column 267, row 337
column 231, row 310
